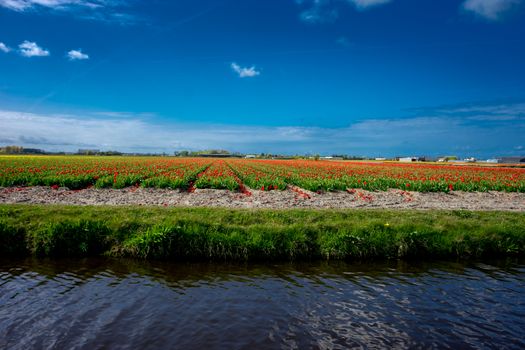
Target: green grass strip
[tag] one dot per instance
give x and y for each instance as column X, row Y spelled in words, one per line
column 241, row 234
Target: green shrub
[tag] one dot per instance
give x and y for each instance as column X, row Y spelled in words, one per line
column 12, row 240
column 70, row 238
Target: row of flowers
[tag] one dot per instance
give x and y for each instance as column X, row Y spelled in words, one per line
column 234, row 174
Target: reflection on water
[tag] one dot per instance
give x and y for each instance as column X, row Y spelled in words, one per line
column 100, row 303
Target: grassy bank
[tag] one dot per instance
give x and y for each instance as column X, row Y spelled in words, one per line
column 226, row 234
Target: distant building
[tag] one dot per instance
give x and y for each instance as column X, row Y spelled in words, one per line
column 492, row 160
column 408, row 159
column 380, row 158
column 447, row 158
column 250, row 156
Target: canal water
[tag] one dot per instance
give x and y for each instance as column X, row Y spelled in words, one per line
column 126, row 304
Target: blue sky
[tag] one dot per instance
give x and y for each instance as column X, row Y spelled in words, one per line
column 361, row 77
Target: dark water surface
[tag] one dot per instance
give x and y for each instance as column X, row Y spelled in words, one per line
column 120, row 304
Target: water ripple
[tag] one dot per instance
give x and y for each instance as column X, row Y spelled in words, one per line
column 98, row 303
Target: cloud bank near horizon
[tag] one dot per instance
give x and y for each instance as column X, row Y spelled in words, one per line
column 481, row 131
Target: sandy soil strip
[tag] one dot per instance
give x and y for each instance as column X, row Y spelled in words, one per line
column 292, row 198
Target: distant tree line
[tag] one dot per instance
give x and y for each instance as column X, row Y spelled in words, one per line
column 199, row 153
column 20, row 150
column 184, row 153
column 23, row 150
column 96, row 152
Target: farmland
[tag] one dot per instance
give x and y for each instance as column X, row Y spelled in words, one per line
column 204, row 208
column 243, row 175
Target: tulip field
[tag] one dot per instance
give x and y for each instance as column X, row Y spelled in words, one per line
column 243, row 175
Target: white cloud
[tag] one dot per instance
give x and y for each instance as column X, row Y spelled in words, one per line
column 4, row 48
column 490, row 9
column 134, row 133
column 98, row 10
column 75, row 55
column 31, row 49
column 22, row 5
column 364, row 4
column 245, row 72
column 16, row 5
column 501, row 111
column 127, row 132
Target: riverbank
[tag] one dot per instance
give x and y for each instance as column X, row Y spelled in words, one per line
column 240, row 234
column 292, row 197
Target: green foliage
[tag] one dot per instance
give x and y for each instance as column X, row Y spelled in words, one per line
column 200, row 240
column 165, row 182
column 75, row 172
column 220, row 183
column 123, row 181
column 227, row 234
column 104, row 182
column 70, row 238
column 12, row 240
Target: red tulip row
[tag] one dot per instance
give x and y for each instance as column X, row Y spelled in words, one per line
column 218, row 176
column 329, row 176
column 116, row 172
column 77, row 172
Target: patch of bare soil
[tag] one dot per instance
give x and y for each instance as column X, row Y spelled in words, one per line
column 290, row 198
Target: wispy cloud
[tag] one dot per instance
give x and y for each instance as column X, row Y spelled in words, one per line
column 365, row 4
column 31, row 49
column 75, row 55
column 322, row 11
column 318, row 11
column 494, row 112
column 490, row 9
column 101, row 10
column 245, row 72
column 4, row 47
column 22, row 5
column 418, row 135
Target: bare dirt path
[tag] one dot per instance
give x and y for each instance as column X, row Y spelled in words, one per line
column 291, row 198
